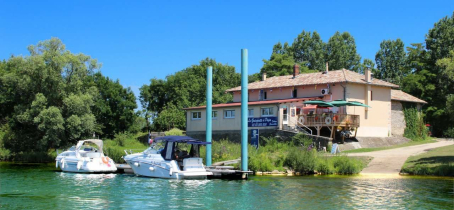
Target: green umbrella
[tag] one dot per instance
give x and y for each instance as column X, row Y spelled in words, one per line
column 355, row 103
column 339, row 103
column 319, row 103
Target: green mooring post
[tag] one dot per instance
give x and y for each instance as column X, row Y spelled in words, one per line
column 209, row 120
column 244, row 110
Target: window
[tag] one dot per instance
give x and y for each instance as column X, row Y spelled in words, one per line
column 229, row 114
column 263, row 95
column 250, row 113
column 371, row 98
column 267, row 111
column 294, row 93
column 196, row 115
column 214, row 115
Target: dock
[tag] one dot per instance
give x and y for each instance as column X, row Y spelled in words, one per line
column 219, row 171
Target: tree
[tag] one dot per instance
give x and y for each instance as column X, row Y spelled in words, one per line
column 430, row 77
column 309, row 49
column 44, row 96
column 186, row 88
column 281, row 62
column 341, row 52
column 53, row 98
column 391, row 61
column 114, row 105
column 440, row 39
column 367, row 64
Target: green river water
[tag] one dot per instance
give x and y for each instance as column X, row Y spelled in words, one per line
column 42, row 187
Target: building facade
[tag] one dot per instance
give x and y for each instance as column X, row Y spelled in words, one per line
column 275, row 103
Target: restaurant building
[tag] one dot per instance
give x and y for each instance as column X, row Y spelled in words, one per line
column 277, row 104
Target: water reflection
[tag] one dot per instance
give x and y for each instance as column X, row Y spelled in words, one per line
column 34, row 187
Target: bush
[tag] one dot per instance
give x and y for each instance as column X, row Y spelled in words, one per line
column 301, row 140
column 344, row 165
column 301, row 160
column 449, row 133
column 416, row 129
column 123, row 141
column 174, row 132
column 325, row 166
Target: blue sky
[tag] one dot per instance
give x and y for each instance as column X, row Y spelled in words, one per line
column 140, row 40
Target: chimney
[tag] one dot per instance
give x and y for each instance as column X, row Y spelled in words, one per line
column 326, row 70
column 368, row 75
column 263, row 76
column 296, row 70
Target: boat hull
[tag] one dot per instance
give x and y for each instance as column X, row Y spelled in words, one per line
column 165, row 170
column 83, row 166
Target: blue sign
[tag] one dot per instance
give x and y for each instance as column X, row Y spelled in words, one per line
column 262, row 121
column 255, row 137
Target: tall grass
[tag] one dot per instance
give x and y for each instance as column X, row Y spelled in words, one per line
column 114, row 148
column 295, row 155
column 174, row 132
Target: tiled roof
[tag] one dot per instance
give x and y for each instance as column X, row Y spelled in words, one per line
column 254, row 103
column 399, row 95
column 335, row 76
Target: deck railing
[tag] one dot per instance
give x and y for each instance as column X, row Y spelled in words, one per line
column 329, row 119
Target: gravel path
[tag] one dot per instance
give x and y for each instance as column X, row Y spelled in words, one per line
column 391, row 161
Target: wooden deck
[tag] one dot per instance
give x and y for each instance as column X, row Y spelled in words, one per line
column 329, row 120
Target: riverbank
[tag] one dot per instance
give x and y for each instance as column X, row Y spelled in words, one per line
column 287, row 157
column 435, row 162
column 114, row 148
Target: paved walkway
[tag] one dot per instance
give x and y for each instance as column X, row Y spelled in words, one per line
column 391, row 161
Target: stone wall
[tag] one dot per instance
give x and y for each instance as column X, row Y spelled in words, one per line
column 398, row 124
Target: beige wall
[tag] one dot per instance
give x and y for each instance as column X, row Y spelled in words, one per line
column 225, row 124
column 375, row 121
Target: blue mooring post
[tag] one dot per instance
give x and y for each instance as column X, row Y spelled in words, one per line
column 209, row 120
column 244, row 110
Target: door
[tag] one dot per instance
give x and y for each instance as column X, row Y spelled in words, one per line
column 284, row 115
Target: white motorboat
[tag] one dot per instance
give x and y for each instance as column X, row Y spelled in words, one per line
column 86, row 157
column 171, row 162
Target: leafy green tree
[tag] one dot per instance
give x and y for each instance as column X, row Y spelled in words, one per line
column 113, row 107
column 341, row 52
column 440, row 39
column 278, row 65
column 51, row 99
column 391, row 61
column 367, row 64
column 186, row 88
column 281, row 62
column 430, row 77
column 309, row 48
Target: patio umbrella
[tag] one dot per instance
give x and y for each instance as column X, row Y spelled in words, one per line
column 319, row 103
column 355, row 103
column 339, row 103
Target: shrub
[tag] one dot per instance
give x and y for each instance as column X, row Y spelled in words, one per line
column 449, row 133
column 344, row 165
column 415, row 129
column 325, row 166
column 301, row 140
column 174, row 132
column 301, row 160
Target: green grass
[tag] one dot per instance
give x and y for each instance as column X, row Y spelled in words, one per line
column 436, row 162
column 411, row 143
column 274, row 155
column 115, row 148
